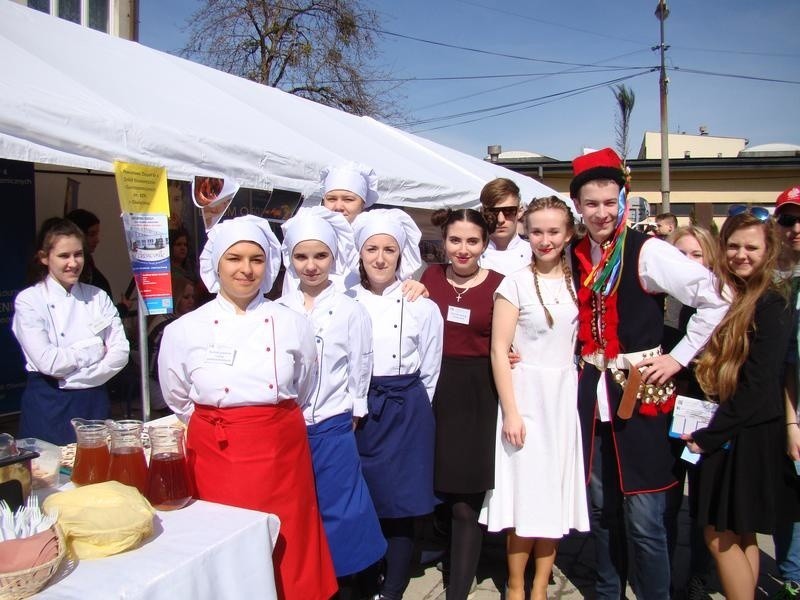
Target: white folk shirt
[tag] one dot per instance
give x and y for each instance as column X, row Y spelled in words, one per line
column 215, row 357
column 407, row 336
column 663, row 269
column 510, row 260
column 75, row 337
column 343, row 336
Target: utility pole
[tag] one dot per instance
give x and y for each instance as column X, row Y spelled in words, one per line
column 662, row 12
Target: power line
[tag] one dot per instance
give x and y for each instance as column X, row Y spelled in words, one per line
column 733, row 75
column 510, row 85
column 526, row 101
column 477, row 50
column 547, row 100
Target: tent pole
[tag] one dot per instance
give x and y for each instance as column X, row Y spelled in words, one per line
column 144, row 377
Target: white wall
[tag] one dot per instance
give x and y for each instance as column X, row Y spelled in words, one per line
column 98, row 194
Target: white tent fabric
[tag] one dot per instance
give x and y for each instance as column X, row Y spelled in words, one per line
column 74, row 97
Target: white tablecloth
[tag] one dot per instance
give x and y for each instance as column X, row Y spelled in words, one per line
column 204, row 550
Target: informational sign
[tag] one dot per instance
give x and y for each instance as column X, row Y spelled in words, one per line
column 17, row 233
column 144, row 201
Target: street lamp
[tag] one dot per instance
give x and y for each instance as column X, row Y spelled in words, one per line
column 662, row 12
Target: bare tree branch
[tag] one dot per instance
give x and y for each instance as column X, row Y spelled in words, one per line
column 323, row 50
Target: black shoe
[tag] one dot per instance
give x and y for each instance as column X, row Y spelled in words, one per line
column 696, row 589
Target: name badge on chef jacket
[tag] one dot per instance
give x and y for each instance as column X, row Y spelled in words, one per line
column 458, row 315
column 220, row 355
column 99, row 324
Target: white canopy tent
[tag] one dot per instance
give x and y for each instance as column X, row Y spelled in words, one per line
column 73, row 97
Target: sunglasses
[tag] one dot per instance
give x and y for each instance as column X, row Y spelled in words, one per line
column 788, row 221
column 759, row 212
column 509, row 212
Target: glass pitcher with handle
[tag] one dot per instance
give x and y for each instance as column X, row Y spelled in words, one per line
column 91, row 452
column 128, row 464
column 169, row 486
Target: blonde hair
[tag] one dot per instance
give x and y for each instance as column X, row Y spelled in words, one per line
column 718, row 367
column 551, row 202
column 708, row 244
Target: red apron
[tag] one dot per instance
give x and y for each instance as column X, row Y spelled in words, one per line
column 258, row 457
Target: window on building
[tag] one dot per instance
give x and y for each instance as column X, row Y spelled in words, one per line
column 70, row 10
column 98, row 15
column 92, row 13
column 40, row 5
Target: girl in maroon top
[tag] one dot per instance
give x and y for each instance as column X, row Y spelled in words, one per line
column 465, row 403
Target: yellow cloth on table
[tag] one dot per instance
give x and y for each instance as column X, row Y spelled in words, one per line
column 102, row 519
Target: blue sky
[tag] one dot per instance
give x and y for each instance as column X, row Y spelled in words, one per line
column 736, row 37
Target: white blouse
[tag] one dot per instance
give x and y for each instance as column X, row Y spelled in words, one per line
column 343, row 335
column 215, row 357
column 406, row 336
column 75, row 337
column 510, row 260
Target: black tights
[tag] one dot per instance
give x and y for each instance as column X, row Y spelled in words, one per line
column 466, row 537
column 399, row 534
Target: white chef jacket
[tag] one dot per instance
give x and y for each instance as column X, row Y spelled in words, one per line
column 505, row 262
column 75, row 337
column 215, row 357
column 343, row 336
column 406, row 336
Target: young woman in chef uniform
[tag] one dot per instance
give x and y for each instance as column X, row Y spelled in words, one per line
column 318, row 242
column 396, row 437
column 71, row 336
column 238, row 369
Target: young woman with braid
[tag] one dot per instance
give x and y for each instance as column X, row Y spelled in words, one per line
column 745, row 475
column 540, row 491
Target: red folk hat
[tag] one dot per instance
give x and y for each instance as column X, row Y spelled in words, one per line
column 790, row 196
column 601, row 164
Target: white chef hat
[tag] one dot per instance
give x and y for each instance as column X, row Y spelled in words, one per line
column 400, row 226
column 241, row 229
column 353, row 177
column 330, row 228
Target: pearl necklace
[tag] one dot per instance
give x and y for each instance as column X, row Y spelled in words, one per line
column 474, row 275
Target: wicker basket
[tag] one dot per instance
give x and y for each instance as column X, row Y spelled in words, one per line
column 25, row 583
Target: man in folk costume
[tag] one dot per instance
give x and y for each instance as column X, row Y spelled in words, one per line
column 621, row 275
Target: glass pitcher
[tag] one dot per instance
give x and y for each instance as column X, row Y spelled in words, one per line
column 91, row 452
column 169, row 486
column 128, row 464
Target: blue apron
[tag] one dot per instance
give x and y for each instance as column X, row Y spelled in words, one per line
column 351, row 524
column 47, row 409
column 396, row 444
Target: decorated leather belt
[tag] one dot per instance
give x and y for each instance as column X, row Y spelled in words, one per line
column 652, row 398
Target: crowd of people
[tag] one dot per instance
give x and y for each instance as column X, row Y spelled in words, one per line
column 524, row 386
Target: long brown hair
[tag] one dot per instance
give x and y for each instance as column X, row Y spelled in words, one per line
column 556, row 203
column 718, row 367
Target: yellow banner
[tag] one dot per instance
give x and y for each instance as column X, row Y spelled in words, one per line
column 141, row 188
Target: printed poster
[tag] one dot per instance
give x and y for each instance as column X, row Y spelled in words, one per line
column 144, row 201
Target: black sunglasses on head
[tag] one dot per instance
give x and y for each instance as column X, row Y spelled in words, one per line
column 788, row 221
column 759, row 212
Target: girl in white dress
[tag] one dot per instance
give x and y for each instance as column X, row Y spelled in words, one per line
column 540, row 492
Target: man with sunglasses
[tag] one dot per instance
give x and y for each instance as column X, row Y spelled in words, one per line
column 787, row 538
column 500, row 206
column 621, row 276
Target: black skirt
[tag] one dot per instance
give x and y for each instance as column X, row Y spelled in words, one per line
column 749, row 487
column 465, row 408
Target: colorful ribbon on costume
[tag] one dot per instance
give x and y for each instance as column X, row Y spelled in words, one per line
column 604, row 277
